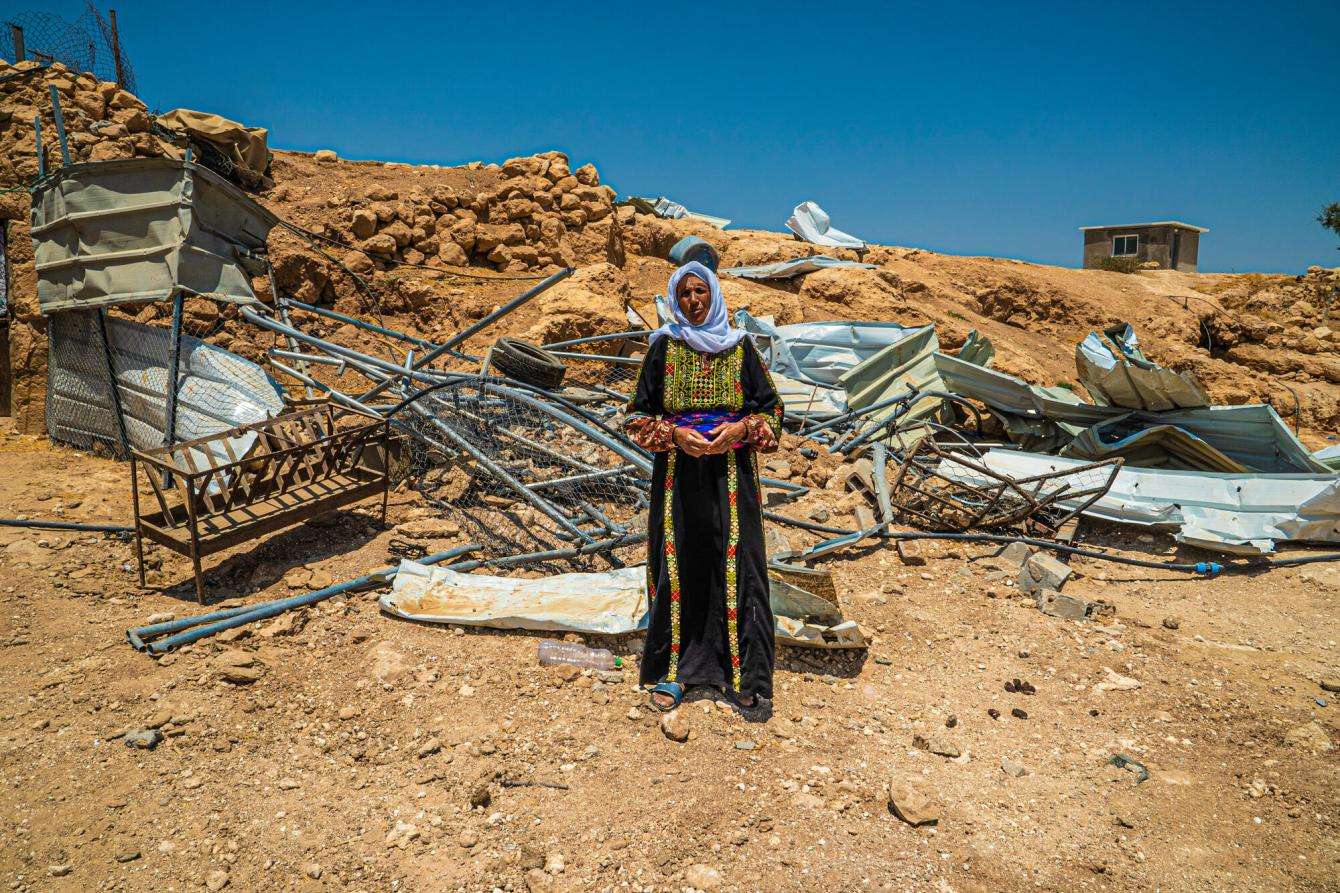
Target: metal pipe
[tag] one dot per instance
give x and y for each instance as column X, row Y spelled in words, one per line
column 596, row 358
column 629, row 539
column 116, row 49
column 590, row 339
column 479, row 326
column 500, row 473
column 60, row 125
column 65, row 525
column 41, row 155
column 359, row 323
column 304, row 358
column 210, row 624
column 112, row 386
column 20, row 51
column 174, row 370
column 879, row 473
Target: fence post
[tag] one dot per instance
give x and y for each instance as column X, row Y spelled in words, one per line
column 20, row 51
column 116, row 50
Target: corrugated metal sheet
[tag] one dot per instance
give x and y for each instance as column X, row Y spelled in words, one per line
column 1236, row 513
column 1128, row 378
column 790, row 269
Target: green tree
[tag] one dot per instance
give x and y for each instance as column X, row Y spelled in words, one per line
column 1330, row 217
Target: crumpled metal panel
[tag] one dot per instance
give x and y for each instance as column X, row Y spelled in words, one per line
column 819, row 352
column 790, row 269
column 811, row 223
column 141, row 229
column 1234, row 513
column 1130, row 380
column 1149, row 446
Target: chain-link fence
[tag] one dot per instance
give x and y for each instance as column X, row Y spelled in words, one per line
column 135, row 346
column 90, row 43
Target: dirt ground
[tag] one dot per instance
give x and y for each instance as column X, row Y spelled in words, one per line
column 353, row 762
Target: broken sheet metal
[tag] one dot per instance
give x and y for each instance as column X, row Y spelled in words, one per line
column 790, row 269
column 818, row 352
column 805, row 620
column 935, row 489
column 811, row 223
column 142, row 229
column 1252, row 435
column 670, row 210
column 217, row 390
column 1149, row 446
column 609, row 602
column 1125, row 377
column 1234, row 513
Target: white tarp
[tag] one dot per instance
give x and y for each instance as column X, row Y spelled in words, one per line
column 1237, row 513
column 216, row 390
column 608, row 602
column 810, row 222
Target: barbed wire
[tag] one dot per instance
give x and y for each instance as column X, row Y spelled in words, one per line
column 87, row 44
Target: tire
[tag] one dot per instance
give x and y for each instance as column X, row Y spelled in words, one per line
column 526, row 362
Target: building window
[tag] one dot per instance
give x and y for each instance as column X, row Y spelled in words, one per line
column 1125, row 246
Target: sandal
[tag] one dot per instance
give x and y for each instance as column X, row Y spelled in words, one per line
column 673, row 690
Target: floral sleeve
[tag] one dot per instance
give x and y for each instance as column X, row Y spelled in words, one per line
column 763, row 424
column 646, row 423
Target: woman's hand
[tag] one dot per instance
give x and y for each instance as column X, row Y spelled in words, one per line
column 725, row 436
column 691, row 442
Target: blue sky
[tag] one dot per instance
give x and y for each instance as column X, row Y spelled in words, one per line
column 974, row 128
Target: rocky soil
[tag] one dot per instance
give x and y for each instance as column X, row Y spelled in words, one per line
column 338, row 749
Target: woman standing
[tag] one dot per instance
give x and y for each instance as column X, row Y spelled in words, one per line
column 705, row 406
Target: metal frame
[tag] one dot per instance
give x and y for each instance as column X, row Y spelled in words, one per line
column 304, row 463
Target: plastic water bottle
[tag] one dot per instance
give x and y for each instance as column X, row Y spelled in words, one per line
column 554, row 652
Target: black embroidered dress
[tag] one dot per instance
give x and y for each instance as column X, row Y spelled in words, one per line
column 707, row 581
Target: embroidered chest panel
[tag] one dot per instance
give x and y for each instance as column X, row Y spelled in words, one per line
column 702, row 381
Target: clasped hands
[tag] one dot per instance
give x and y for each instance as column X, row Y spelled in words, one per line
column 720, row 439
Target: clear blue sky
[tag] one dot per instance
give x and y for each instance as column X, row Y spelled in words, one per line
column 985, row 128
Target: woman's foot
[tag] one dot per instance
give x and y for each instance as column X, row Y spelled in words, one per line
column 666, row 696
column 662, row 701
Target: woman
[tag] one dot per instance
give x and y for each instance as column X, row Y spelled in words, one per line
column 705, row 406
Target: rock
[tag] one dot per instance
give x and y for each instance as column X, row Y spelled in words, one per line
column 1015, row 554
column 402, row 835
column 1018, row 713
column 746, row 744
column 216, row 880
column 1171, row 623
column 60, row 870
column 1011, row 768
column 1330, row 683
column 428, row 748
column 287, row 784
column 943, row 747
column 553, row 863
column 530, row 857
column 586, row 175
column 127, row 856
column 428, row 528
column 480, row 796
column 912, row 805
column 1114, row 681
column 539, row 882
column 468, row 838
column 348, row 712
column 312, row 870
column 143, row 739
column 161, row 617
column 1310, row 735
column 702, row 877
column 819, row 514
column 1042, row 571
column 325, row 156
column 675, row 725
column 1056, row 604
column 634, row 714
column 363, row 223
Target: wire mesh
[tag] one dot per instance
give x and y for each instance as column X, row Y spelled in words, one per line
column 134, row 346
column 85, row 44
column 506, row 467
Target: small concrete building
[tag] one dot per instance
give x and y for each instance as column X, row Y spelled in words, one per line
column 1171, row 244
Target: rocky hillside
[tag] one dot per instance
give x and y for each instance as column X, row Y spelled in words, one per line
column 432, row 248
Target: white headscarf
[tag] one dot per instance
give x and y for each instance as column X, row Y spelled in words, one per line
column 715, row 334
